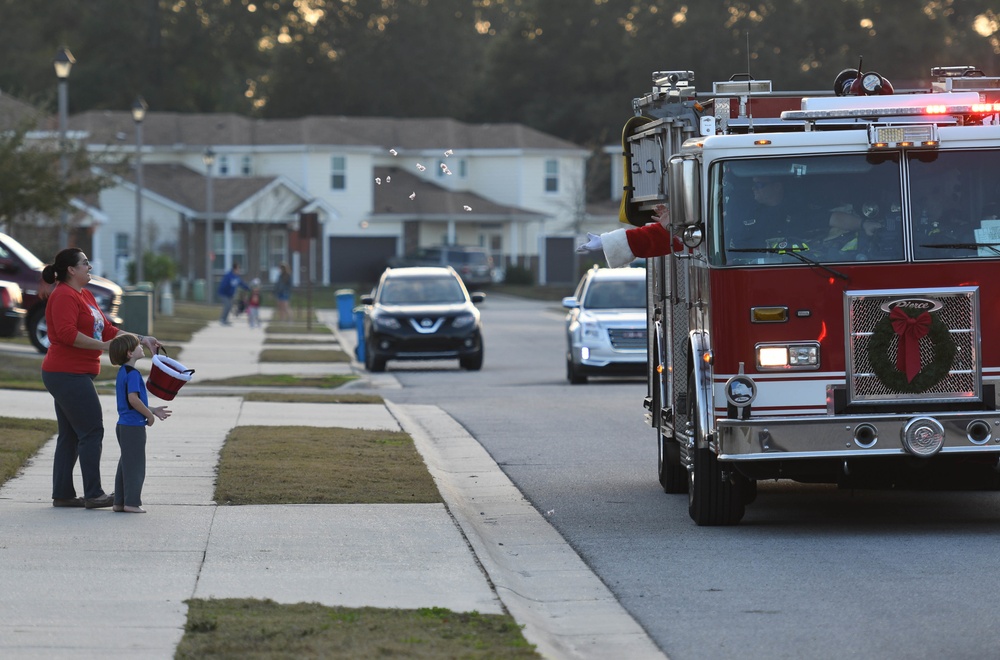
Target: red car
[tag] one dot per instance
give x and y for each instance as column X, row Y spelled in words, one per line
column 19, row 265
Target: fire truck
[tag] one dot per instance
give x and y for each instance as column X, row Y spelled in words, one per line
column 834, row 316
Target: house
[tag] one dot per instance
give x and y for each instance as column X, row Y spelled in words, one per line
column 332, row 196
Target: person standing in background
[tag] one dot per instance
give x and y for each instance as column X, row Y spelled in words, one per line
column 283, row 292
column 230, row 283
column 78, row 333
column 253, row 304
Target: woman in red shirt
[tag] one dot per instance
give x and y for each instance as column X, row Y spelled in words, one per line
column 78, row 334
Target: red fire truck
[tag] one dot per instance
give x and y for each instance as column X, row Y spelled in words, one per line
column 834, row 317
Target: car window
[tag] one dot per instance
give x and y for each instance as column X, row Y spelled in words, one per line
column 615, row 294
column 25, row 255
column 474, row 258
column 416, row 291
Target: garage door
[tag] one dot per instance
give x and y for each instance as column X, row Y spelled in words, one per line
column 355, row 260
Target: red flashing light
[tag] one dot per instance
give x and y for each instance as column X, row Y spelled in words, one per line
column 986, row 108
column 975, row 109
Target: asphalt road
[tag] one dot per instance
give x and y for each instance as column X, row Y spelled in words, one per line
column 811, row 572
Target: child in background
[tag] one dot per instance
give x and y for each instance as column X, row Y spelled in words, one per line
column 134, row 415
column 253, row 303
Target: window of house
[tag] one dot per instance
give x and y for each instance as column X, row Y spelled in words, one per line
column 552, row 176
column 123, row 254
column 338, row 173
column 223, row 165
column 273, row 251
column 239, row 250
column 245, row 166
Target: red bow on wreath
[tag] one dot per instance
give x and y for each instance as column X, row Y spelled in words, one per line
column 910, row 330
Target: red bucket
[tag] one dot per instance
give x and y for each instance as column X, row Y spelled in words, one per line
column 167, row 377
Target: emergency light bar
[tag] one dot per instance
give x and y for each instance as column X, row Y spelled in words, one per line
column 741, row 87
column 911, row 135
column 885, row 105
column 979, row 84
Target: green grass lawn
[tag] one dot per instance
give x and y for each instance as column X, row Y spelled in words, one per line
column 294, row 465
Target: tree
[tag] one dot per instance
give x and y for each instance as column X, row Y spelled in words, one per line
column 32, row 191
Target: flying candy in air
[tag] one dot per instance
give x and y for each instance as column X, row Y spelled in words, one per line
column 413, row 195
column 420, row 167
column 467, row 208
column 449, row 153
column 378, row 180
column 394, row 152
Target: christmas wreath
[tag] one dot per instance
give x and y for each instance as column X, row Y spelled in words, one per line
column 894, row 376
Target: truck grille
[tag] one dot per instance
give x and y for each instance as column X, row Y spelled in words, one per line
column 628, row 338
column 872, row 377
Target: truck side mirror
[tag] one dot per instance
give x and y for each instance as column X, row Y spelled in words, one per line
column 685, row 191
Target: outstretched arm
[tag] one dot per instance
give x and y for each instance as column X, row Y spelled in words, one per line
column 622, row 246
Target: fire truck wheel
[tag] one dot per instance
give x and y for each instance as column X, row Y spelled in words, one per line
column 673, row 476
column 714, row 498
column 573, row 374
column 748, row 488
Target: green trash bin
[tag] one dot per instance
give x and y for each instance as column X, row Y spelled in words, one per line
column 198, row 290
column 137, row 310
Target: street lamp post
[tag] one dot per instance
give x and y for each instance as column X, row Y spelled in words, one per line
column 63, row 62
column 139, row 108
column 209, row 159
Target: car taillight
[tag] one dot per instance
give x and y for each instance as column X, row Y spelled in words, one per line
column 6, row 300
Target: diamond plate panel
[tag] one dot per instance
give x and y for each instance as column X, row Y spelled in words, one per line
column 959, row 312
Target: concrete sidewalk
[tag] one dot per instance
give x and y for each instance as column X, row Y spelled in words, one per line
column 82, row 583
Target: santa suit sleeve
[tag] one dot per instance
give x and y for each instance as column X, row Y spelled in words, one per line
column 622, row 246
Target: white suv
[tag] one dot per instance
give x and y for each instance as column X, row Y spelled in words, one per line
column 606, row 324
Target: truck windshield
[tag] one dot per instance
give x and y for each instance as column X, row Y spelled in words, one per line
column 956, row 202
column 828, row 209
column 878, row 206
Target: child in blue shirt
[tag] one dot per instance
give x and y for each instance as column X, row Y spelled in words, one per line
column 134, row 415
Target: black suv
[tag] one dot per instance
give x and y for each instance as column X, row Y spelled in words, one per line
column 422, row 313
column 18, row 264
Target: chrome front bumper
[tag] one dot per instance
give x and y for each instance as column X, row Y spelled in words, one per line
column 845, row 436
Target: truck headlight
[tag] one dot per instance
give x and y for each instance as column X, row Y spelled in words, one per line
column 781, row 356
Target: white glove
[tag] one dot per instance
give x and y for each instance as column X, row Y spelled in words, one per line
column 593, row 244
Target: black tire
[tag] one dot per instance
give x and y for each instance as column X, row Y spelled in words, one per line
column 472, row 362
column 748, row 488
column 714, row 497
column 373, row 361
column 38, row 330
column 673, row 477
column 573, row 374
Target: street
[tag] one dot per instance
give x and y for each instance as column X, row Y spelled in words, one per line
column 810, row 572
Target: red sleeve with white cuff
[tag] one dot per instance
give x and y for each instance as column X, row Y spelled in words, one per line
column 622, row 246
